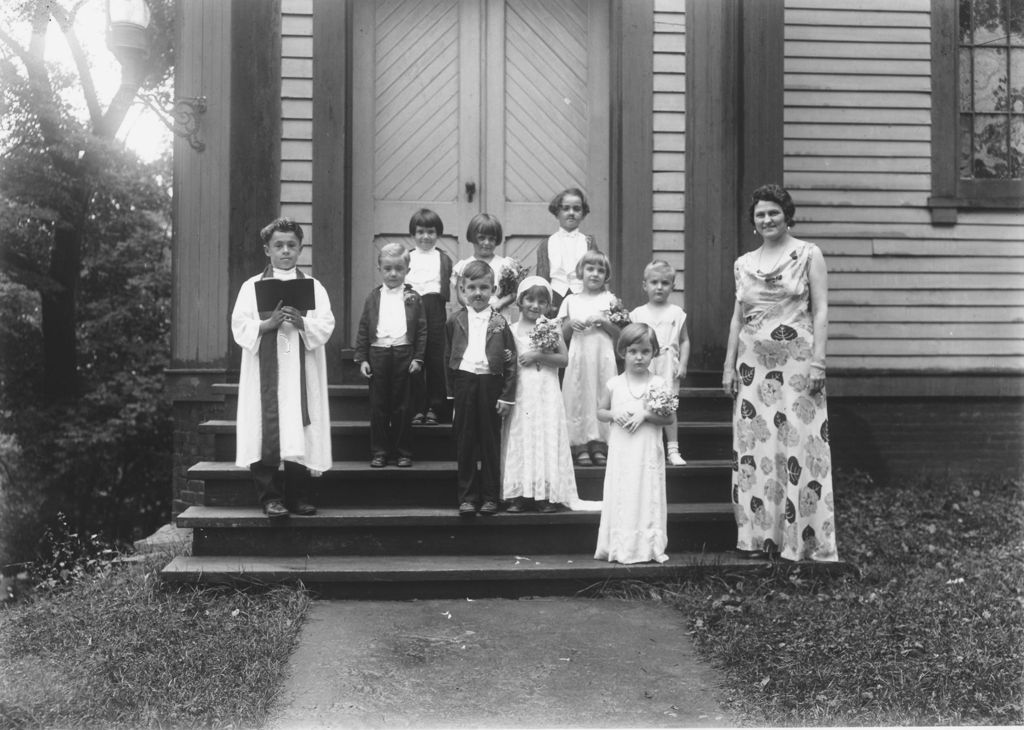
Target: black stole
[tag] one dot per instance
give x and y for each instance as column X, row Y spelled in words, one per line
column 271, row 441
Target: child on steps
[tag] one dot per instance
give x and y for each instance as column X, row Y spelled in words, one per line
column 283, row 412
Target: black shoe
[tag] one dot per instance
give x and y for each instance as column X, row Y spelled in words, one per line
column 404, row 462
column 467, row 509
column 547, row 507
column 430, row 419
column 489, row 508
column 275, row 510
column 304, row 509
column 379, row 461
column 517, row 505
column 417, row 420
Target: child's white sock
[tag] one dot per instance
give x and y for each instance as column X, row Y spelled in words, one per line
column 673, row 456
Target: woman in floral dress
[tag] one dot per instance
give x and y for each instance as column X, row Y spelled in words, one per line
column 775, row 370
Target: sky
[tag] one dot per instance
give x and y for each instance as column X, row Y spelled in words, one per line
column 142, row 131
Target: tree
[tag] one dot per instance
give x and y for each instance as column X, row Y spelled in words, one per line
column 56, row 159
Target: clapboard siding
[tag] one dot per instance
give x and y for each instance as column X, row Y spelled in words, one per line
column 297, row 117
column 669, row 124
column 904, row 294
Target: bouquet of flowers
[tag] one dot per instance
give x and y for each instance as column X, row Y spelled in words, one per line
column 513, row 273
column 660, row 401
column 618, row 315
column 545, row 335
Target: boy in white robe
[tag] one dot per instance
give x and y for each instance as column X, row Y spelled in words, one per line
column 287, row 418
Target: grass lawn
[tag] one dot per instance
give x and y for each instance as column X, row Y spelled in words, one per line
column 121, row 650
column 931, row 633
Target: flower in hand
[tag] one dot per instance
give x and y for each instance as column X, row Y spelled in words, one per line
column 660, row 400
column 618, row 315
column 513, row 273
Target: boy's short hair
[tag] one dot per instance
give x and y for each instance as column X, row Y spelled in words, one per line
column 426, row 218
column 393, row 251
column 634, row 332
column 556, row 202
column 477, row 270
column 484, row 224
column 593, row 256
column 661, row 266
column 280, row 225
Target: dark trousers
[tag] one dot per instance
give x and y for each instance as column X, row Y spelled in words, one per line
column 289, row 486
column 389, row 401
column 428, row 388
column 477, row 436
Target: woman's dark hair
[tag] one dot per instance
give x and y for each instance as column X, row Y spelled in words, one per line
column 774, row 194
column 286, row 225
column 426, row 218
column 556, row 202
column 484, row 224
column 634, row 332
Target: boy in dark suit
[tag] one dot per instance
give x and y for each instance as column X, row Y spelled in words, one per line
column 389, row 347
column 480, row 360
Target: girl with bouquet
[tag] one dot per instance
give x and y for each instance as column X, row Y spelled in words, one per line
column 592, row 319
column 634, row 517
column 537, row 464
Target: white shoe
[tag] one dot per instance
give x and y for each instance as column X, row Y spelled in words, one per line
column 674, row 458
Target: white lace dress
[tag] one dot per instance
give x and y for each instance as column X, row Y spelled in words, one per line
column 536, row 460
column 634, row 515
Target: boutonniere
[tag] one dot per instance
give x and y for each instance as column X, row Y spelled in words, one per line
column 497, row 323
column 410, row 296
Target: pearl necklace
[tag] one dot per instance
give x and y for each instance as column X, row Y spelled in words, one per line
column 633, row 395
column 760, row 255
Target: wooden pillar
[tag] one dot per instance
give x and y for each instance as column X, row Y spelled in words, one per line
column 224, row 191
column 633, row 135
column 734, row 142
column 255, row 136
column 331, row 197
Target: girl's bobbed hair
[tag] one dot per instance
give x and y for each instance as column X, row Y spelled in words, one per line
column 556, row 202
column 593, row 256
column 484, row 224
column 280, row 225
column 426, row 218
column 635, row 332
column 773, row 194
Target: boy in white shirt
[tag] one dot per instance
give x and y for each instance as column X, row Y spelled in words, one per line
column 389, row 348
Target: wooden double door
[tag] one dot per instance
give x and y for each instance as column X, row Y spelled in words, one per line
column 468, row 106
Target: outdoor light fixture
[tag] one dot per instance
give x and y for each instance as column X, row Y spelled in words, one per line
column 128, row 32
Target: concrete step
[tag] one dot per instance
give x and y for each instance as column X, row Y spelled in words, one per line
column 510, row 575
column 352, row 402
column 350, row 440
column 433, row 484
column 399, row 531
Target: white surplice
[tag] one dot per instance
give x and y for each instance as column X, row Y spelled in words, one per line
column 308, row 445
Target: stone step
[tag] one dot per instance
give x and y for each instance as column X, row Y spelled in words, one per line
column 352, row 402
column 433, row 484
column 434, row 531
column 509, row 575
column 350, row 440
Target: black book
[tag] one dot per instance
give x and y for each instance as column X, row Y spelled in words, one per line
column 296, row 293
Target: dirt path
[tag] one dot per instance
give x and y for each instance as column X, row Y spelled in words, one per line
column 544, row 662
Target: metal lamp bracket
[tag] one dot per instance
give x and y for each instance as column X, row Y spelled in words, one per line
column 186, row 120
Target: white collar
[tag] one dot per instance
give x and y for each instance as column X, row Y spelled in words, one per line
column 284, row 274
column 482, row 314
column 569, row 234
column 385, row 291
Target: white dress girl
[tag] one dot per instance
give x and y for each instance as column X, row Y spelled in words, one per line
column 634, row 516
column 591, row 364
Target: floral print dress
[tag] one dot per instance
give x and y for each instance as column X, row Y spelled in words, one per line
column 782, row 464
